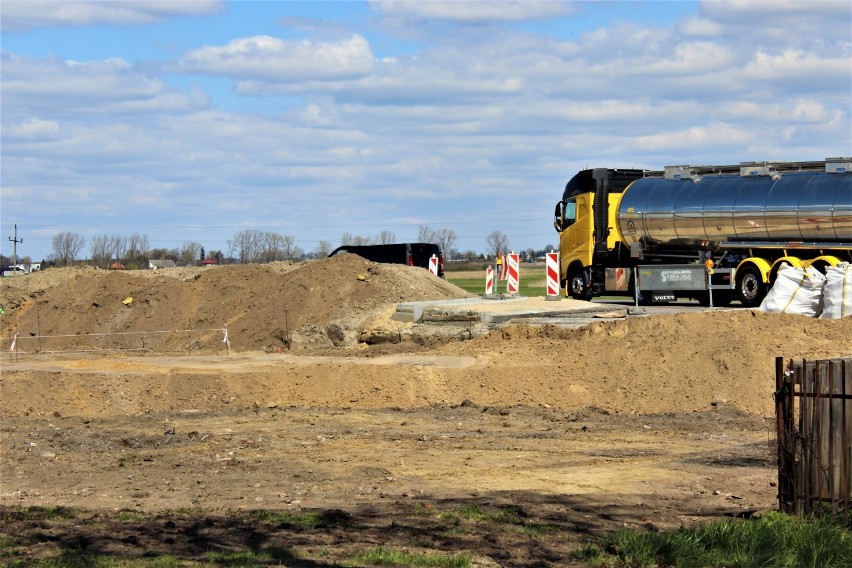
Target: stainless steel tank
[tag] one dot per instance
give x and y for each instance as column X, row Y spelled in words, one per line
column 812, row 207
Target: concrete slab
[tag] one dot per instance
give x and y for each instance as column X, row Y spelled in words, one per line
column 499, row 309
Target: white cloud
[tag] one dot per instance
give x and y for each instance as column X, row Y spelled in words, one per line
column 692, row 58
column 32, row 129
column 783, row 24
column 700, row 27
column 54, row 87
column 324, row 132
column 473, row 12
column 273, row 59
column 697, row 139
column 794, row 110
column 799, row 66
column 757, row 13
column 24, row 15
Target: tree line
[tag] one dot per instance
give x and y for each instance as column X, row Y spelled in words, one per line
column 247, row 246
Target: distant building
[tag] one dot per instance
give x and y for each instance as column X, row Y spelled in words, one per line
column 20, row 269
column 208, row 262
column 155, row 264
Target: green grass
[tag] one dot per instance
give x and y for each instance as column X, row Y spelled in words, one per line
column 270, row 556
column 75, row 558
column 476, row 513
column 385, row 557
column 531, row 281
column 510, row 516
column 307, row 520
column 126, row 516
column 772, row 541
column 41, row 513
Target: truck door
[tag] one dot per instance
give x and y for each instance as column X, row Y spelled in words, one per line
column 575, row 239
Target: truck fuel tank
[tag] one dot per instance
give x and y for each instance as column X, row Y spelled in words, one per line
column 690, row 212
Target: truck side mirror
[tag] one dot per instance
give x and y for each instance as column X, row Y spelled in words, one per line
column 558, row 217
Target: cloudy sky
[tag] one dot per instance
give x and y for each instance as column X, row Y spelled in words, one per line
column 194, row 120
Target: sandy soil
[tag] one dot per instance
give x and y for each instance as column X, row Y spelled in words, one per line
column 649, row 422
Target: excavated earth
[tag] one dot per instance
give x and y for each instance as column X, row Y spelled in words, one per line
column 123, row 403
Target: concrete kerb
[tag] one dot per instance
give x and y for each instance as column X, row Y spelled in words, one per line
column 496, row 311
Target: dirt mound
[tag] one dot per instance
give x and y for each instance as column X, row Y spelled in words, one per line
column 666, row 363
column 265, row 307
column 674, row 363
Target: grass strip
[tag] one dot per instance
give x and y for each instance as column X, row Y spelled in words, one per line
column 774, row 540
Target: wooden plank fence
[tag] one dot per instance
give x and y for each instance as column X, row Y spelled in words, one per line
column 814, row 433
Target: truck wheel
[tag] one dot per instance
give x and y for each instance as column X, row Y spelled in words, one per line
column 750, row 287
column 577, row 286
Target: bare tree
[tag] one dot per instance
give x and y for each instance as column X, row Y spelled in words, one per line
column 164, row 254
column 386, row 238
column 345, row 239
column 272, row 245
column 100, row 251
column 137, row 245
column 252, row 245
column 289, row 250
column 118, row 246
column 446, row 239
column 358, row 241
column 497, row 241
column 425, row 234
column 66, row 247
column 189, row 252
column 245, row 245
column 323, row 249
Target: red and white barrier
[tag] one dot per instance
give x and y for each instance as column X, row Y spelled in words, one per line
column 433, row 265
column 512, row 273
column 489, row 281
column 552, row 269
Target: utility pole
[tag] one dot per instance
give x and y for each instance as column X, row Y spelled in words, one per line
column 16, row 240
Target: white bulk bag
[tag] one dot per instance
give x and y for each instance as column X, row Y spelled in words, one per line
column 837, row 294
column 796, row 291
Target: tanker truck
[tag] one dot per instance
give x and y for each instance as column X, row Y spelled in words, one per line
column 715, row 234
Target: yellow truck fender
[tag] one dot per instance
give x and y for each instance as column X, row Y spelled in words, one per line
column 793, row 261
column 823, row 262
column 762, row 265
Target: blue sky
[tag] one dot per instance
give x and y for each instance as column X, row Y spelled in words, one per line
column 194, row 120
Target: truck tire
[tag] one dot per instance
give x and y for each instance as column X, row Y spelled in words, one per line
column 750, row 287
column 577, row 285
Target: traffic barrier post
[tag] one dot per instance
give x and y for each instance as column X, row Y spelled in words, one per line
column 552, row 269
column 512, row 273
column 489, row 281
column 433, row 265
